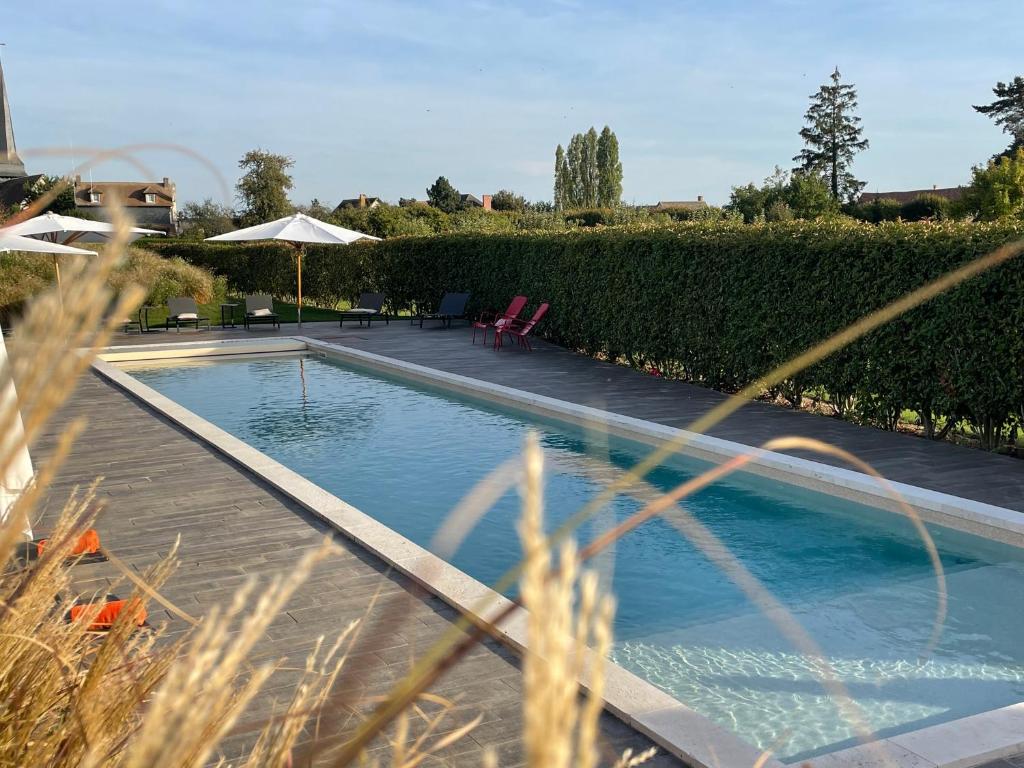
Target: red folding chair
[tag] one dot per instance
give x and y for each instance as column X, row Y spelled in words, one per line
column 520, row 329
column 492, row 320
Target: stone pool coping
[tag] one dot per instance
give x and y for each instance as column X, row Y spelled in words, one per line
column 690, row 736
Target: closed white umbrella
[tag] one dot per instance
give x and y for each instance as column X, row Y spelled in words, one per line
column 18, row 473
column 9, row 242
column 70, row 229
column 296, row 230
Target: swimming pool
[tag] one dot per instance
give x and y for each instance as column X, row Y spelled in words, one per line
column 857, row 578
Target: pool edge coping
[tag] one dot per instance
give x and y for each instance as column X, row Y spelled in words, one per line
column 670, row 724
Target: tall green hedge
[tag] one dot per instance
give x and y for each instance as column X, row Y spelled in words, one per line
column 721, row 304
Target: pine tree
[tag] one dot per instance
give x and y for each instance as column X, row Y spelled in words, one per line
column 1008, row 112
column 443, row 196
column 833, row 136
column 609, row 169
column 561, row 179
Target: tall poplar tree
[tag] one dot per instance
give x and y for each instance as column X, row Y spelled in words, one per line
column 833, row 135
column 609, row 169
column 574, row 164
column 589, row 173
column 562, row 180
column 588, row 170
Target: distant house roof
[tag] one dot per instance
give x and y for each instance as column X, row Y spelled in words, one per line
column 675, row 205
column 131, row 194
column 472, row 200
column 360, row 202
column 950, row 193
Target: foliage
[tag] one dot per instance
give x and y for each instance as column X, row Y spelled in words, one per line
column 833, row 135
column 563, row 181
column 316, row 209
column 925, row 208
column 805, row 196
column 589, row 173
column 878, row 210
column 997, row 190
column 479, row 220
column 23, row 275
column 206, row 219
column 609, row 169
column 263, row 187
column 443, row 196
column 1007, row 111
column 506, row 200
column 63, row 203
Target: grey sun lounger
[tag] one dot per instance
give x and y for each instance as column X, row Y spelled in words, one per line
column 182, row 310
column 452, row 307
column 260, row 309
column 370, row 305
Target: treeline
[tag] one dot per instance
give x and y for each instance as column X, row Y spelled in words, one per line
column 719, row 305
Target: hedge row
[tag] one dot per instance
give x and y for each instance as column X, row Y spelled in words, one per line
column 722, row 304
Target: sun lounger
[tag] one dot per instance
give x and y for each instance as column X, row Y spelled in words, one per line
column 183, row 311
column 370, row 305
column 260, row 309
column 452, row 307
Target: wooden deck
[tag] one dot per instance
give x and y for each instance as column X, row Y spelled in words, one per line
column 160, row 483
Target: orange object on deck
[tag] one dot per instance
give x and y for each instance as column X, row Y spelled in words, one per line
column 88, row 544
column 108, row 614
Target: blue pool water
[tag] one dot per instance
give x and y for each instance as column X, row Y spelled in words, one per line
column 858, row 579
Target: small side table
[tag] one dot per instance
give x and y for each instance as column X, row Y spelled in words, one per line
column 144, row 320
column 227, row 310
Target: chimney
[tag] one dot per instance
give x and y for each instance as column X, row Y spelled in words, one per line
column 167, row 182
column 487, row 202
column 700, row 198
column 935, row 186
column 362, row 200
column 78, row 178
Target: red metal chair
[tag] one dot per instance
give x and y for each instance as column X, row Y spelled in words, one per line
column 495, row 320
column 520, row 329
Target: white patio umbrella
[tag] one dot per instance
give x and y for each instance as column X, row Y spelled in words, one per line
column 10, row 242
column 70, row 229
column 18, row 473
column 296, row 230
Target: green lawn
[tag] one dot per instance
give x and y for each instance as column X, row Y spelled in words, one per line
column 284, row 310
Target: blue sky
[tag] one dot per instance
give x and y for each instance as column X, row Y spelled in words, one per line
column 382, row 96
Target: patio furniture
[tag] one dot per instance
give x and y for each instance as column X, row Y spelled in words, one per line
column 492, row 319
column 370, row 306
column 260, row 309
column 452, row 307
column 227, row 314
column 182, row 310
column 520, row 329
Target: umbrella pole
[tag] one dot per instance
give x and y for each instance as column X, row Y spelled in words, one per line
column 298, row 258
column 56, row 268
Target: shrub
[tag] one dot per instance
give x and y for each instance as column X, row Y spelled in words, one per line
column 925, row 208
column 878, row 210
column 24, row 275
